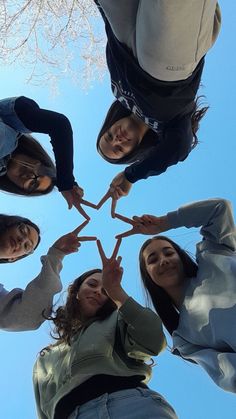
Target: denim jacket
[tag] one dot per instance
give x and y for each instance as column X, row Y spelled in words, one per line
column 11, row 128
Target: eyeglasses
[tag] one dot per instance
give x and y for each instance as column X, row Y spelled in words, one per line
column 33, row 177
column 32, row 183
column 24, row 232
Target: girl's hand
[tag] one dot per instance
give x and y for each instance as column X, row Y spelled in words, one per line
column 146, row 224
column 112, row 275
column 119, row 187
column 70, row 242
column 74, row 197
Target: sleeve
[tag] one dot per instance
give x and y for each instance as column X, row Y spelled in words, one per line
column 220, row 366
column 140, row 330
column 214, row 215
column 40, row 413
column 23, row 309
column 58, row 127
column 175, row 145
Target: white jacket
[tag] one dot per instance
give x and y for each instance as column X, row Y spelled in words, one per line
column 22, row 309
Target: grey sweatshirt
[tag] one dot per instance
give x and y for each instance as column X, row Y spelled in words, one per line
column 207, row 326
column 22, row 309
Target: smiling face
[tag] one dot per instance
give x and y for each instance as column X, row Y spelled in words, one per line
column 122, row 137
column 163, row 264
column 23, row 171
column 18, row 240
column 91, row 296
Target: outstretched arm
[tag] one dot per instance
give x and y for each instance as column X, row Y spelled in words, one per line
column 25, row 309
column 174, row 146
column 58, row 127
column 213, row 215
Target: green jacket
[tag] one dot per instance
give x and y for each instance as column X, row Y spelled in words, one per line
column 120, row 345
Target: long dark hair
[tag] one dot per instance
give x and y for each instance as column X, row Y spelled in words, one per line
column 150, row 139
column 161, row 301
column 67, row 318
column 29, row 146
column 7, row 221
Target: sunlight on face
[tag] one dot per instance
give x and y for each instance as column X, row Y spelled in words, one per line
column 91, row 296
column 163, row 264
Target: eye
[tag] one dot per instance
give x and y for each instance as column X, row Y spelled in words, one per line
column 151, row 260
column 92, row 283
column 23, row 229
column 169, row 253
column 109, row 135
column 28, row 247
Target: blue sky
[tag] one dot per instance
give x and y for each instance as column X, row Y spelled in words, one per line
column 208, row 172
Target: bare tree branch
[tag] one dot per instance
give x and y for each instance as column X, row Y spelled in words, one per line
column 53, row 39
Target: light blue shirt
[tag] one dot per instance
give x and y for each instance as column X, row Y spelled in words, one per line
column 207, row 328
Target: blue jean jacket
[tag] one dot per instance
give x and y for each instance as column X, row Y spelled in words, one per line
column 11, row 128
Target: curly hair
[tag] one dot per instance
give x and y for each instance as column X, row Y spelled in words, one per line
column 161, row 301
column 67, row 319
column 150, row 138
column 7, row 221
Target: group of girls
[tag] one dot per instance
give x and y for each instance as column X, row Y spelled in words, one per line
column 101, row 362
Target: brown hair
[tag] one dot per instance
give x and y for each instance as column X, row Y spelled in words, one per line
column 67, row 318
column 7, row 221
column 159, row 297
column 29, row 146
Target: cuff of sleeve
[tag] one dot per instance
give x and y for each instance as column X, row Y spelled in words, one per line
column 129, row 176
column 65, row 185
column 174, row 219
column 130, row 310
column 53, row 251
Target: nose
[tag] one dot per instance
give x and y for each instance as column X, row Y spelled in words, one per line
column 163, row 261
column 21, row 241
column 118, row 139
column 97, row 290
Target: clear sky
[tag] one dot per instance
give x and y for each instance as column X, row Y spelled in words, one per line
column 208, row 172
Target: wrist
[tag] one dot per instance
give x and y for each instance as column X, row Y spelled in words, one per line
column 118, row 296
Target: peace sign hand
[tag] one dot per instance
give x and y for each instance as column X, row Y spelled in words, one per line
column 112, row 274
column 146, row 224
column 70, row 242
column 119, row 187
column 74, row 197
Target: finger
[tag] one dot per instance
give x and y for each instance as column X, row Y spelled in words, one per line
column 80, row 227
column 116, row 249
column 88, row 203
column 119, row 259
column 81, row 211
column 87, row 238
column 101, row 251
column 125, row 234
column 69, row 202
column 120, row 191
column 146, row 218
column 123, row 218
column 79, row 191
column 104, row 199
column 137, row 219
column 113, row 207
